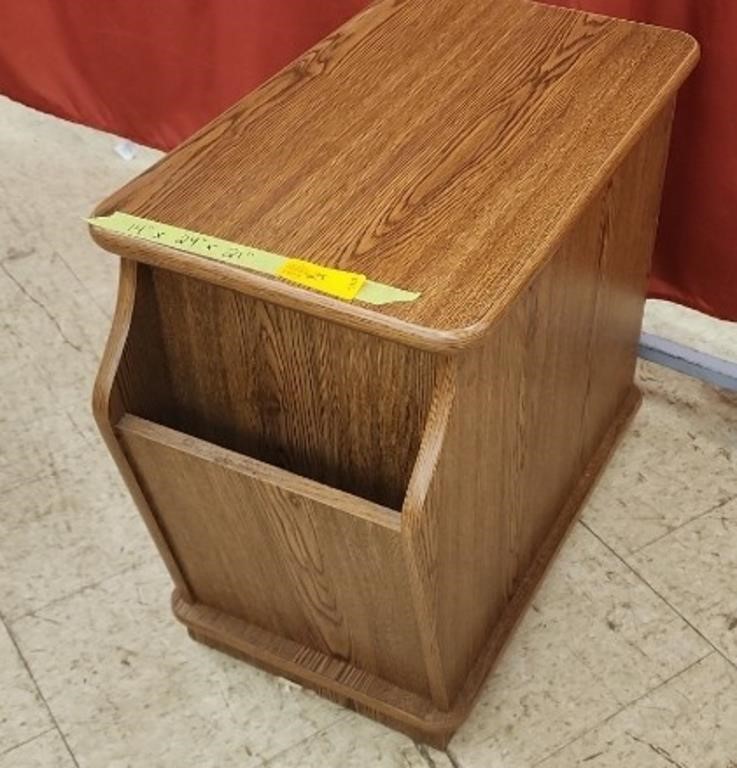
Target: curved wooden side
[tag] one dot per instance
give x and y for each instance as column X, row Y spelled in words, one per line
column 419, row 529
column 108, row 400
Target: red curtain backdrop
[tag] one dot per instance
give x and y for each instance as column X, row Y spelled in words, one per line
column 153, row 70
column 156, row 70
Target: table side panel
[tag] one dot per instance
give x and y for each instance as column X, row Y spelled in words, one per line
column 532, row 406
column 259, row 546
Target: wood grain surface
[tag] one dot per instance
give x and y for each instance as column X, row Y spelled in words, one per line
column 530, row 408
column 362, row 499
column 374, row 697
column 318, row 399
column 289, row 555
column 440, row 146
column 129, row 372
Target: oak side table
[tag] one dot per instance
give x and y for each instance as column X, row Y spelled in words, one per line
column 362, row 496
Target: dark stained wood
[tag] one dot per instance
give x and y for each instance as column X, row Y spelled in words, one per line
column 363, row 499
column 291, row 389
column 442, row 146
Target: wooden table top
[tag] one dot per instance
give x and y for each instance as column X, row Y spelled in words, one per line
column 435, row 145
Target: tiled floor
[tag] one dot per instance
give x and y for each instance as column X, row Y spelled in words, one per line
column 628, row 657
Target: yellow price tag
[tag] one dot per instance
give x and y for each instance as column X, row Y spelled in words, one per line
column 334, row 282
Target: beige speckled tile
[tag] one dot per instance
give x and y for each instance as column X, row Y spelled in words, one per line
column 56, row 286
column 51, row 322
column 695, row 569
column 692, row 328
column 595, row 639
column 65, row 530
column 44, row 425
column 46, row 377
column 677, row 460
column 67, row 521
column 129, row 688
column 38, row 449
column 45, row 751
column 66, row 312
column 59, row 171
column 690, row 722
column 356, row 742
column 22, row 713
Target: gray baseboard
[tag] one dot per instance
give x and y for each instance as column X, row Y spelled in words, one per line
column 699, row 365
